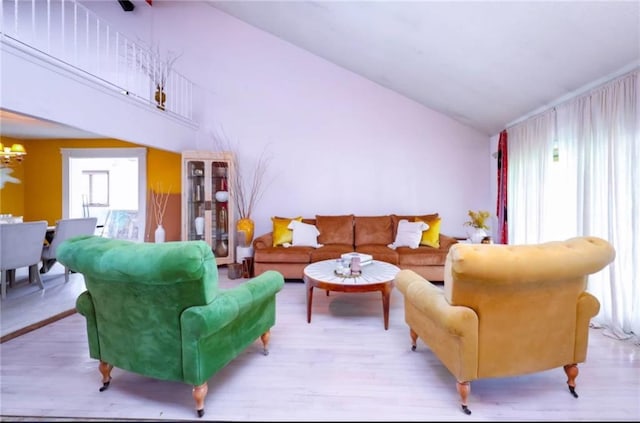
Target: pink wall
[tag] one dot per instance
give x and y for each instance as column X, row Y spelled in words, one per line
column 340, row 143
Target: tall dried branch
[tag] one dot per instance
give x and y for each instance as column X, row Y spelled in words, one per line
column 151, row 61
column 159, row 201
column 245, row 193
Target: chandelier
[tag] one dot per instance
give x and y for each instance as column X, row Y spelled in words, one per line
column 13, row 154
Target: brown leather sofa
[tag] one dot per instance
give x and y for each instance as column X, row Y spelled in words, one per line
column 365, row 234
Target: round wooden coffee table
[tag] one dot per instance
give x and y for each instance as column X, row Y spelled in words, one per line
column 377, row 276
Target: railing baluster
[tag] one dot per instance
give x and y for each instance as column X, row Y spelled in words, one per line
column 131, row 68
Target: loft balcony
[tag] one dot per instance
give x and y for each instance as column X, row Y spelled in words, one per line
column 61, row 62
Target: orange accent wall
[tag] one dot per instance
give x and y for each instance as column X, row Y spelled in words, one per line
column 39, row 195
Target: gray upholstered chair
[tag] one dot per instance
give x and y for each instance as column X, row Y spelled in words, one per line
column 65, row 229
column 21, row 246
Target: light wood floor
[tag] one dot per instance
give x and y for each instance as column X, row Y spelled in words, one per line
column 343, row 366
column 26, row 304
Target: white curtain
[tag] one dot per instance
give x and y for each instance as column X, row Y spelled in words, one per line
column 574, row 171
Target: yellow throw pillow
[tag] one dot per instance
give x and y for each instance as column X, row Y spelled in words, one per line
column 430, row 237
column 281, row 232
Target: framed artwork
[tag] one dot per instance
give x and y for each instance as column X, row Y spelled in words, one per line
column 122, row 224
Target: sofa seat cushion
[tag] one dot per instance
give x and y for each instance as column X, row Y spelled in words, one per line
column 421, row 256
column 380, row 252
column 283, row 255
column 335, row 229
column 329, row 252
column 377, row 230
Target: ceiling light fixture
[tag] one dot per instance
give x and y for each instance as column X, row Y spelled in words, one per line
column 12, row 154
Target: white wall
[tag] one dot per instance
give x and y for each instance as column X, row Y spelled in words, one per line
column 340, row 143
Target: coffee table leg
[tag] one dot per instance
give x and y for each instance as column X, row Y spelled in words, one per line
column 309, row 301
column 386, row 299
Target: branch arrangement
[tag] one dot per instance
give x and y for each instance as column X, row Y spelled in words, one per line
column 152, row 62
column 478, row 219
column 245, row 195
column 159, row 201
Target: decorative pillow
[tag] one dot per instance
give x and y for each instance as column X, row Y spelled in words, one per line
column 395, row 218
column 430, row 237
column 304, row 234
column 409, row 234
column 281, row 232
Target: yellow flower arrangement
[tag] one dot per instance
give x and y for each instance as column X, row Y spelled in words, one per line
column 478, row 219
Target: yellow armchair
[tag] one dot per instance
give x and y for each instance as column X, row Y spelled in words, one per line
column 507, row 310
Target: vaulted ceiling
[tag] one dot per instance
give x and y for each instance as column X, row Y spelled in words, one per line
column 486, row 64
column 483, row 63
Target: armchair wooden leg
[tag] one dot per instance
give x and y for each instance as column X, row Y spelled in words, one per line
column 105, row 369
column 265, row 342
column 199, row 392
column 572, row 373
column 414, row 339
column 463, row 390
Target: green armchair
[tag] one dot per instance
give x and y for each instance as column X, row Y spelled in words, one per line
column 507, row 310
column 157, row 310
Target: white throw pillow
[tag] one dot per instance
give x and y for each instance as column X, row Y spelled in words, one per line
column 409, row 234
column 304, row 234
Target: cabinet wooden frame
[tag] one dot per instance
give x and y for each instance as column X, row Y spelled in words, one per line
column 203, row 174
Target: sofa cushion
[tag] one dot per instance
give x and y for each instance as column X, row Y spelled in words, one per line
column 329, row 252
column 373, row 230
column 380, row 252
column 335, row 229
column 283, row 255
column 281, row 232
column 421, row 256
column 431, row 236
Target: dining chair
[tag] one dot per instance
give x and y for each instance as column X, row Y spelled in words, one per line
column 65, row 229
column 21, row 246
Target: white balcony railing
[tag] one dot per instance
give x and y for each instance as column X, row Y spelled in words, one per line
column 68, row 32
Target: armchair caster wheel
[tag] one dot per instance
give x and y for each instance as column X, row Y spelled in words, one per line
column 201, row 412
column 572, row 389
column 413, row 348
column 104, row 386
column 466, row 410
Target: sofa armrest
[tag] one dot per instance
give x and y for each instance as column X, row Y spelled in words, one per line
column 84, row 306
column 430, row 300
column 447, row 241
column 263, row 241
column 201, row 321
column 451, row 332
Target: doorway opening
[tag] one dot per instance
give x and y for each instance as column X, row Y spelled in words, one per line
column 97, row 182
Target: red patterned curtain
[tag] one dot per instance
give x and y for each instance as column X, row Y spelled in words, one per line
column 501, row 208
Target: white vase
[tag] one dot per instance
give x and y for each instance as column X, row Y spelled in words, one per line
column 199, row 222
column 476, row 235
column 159, row 234
column 222, row 196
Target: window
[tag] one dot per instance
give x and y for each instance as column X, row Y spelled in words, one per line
column 95, row 188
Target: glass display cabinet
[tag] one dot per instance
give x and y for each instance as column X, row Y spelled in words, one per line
column 207, row 210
